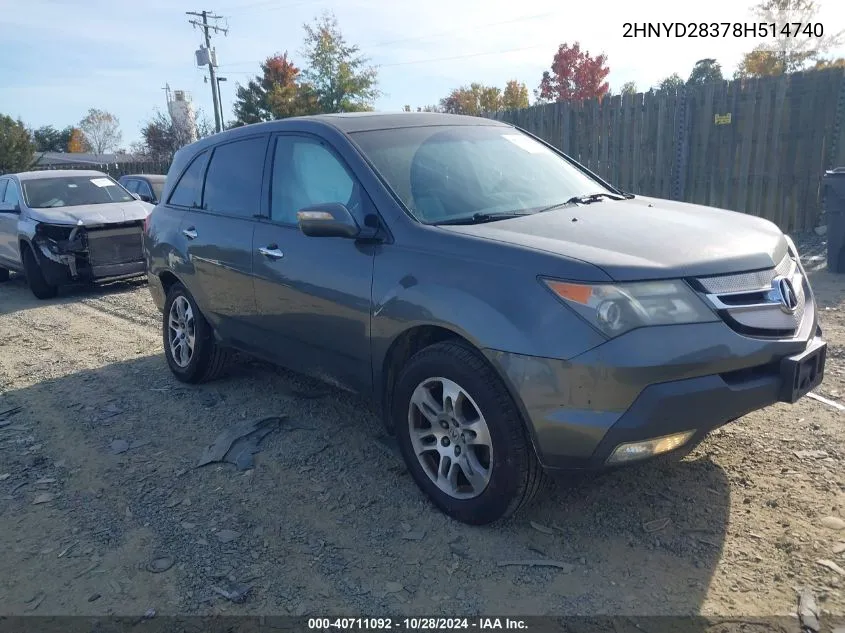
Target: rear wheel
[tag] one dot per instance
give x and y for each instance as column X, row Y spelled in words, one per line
column 35, row 276
column 462, row 437
column 189, row 346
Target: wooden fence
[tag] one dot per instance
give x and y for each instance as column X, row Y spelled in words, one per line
column 759, row 146
column 115, row 170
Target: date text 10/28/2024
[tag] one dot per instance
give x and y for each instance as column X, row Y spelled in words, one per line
column 722, row 29
column 415, row 624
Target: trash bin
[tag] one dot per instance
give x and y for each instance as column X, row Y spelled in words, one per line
column 833, row 194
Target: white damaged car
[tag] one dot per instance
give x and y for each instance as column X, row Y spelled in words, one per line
column 69, row 226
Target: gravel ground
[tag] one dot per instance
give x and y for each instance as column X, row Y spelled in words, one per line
column 102, row 510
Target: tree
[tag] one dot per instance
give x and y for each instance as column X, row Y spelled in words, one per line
column 793, row 48
column 49, row 139
column 671, row 84
column 705, row 71
column 575, row 76
column 759, row 63
column 162, row 139
column 16, row 146
column 101, row 130
column 77, row 143
column 338, row 75
column 277, row 93
column 629, row 88
column 514, row 96
column 477, row 98
column 823, row 64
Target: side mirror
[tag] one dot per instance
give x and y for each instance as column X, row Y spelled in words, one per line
column 144, row 197
column 331, row 219
column 8, row 207
column 134, row 195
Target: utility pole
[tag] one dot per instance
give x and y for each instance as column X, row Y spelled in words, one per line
column 212, row 61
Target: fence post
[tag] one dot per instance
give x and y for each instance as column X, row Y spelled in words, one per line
column 681, row 142
column 837, row 141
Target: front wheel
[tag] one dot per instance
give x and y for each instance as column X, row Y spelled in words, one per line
column 35, row 276
column 462, row 437
column 189, row 346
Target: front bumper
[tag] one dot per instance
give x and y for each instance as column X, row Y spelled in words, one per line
column 72, row 254
column 646, row 384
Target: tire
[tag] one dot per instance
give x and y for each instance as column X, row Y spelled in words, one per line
column 203, row 361
column 512, row 473
column 35, row 276
column 4, row 275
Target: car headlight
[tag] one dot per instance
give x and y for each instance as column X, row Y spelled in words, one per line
column 618, row 308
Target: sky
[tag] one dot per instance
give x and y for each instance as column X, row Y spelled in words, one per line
column 58, row 58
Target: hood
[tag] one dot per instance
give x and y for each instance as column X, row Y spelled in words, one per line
column 93, row 214
column 645, row 238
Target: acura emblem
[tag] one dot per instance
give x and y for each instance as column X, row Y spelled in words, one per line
column 784, row 293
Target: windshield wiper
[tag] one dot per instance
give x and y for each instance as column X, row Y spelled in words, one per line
column 586, row 199
column 480, row 218
column 592, row 197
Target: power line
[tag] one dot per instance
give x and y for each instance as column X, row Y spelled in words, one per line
column 271, row 5
column 525, row 18
column 211, row 58
column 433, row 59
column 445, row 59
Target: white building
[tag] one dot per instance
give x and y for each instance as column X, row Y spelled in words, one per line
column 182, row 114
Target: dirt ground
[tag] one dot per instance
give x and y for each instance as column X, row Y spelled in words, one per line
column 329, row 522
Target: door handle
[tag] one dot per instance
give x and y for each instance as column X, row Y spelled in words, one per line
column 271, row 252
column 190, row 233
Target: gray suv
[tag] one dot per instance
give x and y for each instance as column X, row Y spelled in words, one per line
column 511, row 314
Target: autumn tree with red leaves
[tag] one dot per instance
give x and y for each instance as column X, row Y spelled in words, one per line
column 575, row 76
column 276, row 93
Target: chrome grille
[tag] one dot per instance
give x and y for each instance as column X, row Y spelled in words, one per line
column 750, row 304
column 744, row 282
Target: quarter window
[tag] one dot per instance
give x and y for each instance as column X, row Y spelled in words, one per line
column 233, row 181
column 188, row 191
column 305, row 173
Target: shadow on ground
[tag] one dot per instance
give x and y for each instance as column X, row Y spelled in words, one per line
column 329, row 521
column 67, row 294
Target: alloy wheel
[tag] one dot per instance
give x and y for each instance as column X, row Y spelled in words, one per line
column 181, row 331
column 450, row 438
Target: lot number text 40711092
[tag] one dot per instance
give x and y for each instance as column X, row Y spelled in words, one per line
column 415, row 624
column 722, row 29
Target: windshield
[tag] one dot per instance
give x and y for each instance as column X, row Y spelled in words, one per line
column 72, row 191
column 442, row 173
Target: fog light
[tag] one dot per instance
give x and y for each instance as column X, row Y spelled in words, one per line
column 649, row 448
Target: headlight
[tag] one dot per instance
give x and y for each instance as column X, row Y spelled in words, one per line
column 616, row 309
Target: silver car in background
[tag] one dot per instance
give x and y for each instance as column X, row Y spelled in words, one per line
column 62, row 227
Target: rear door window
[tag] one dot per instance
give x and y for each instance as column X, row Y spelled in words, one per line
column 233, row 181
column 142, row 188
column 130, row 185
column 188, row 191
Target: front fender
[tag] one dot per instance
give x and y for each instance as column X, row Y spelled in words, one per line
column 405, row 308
